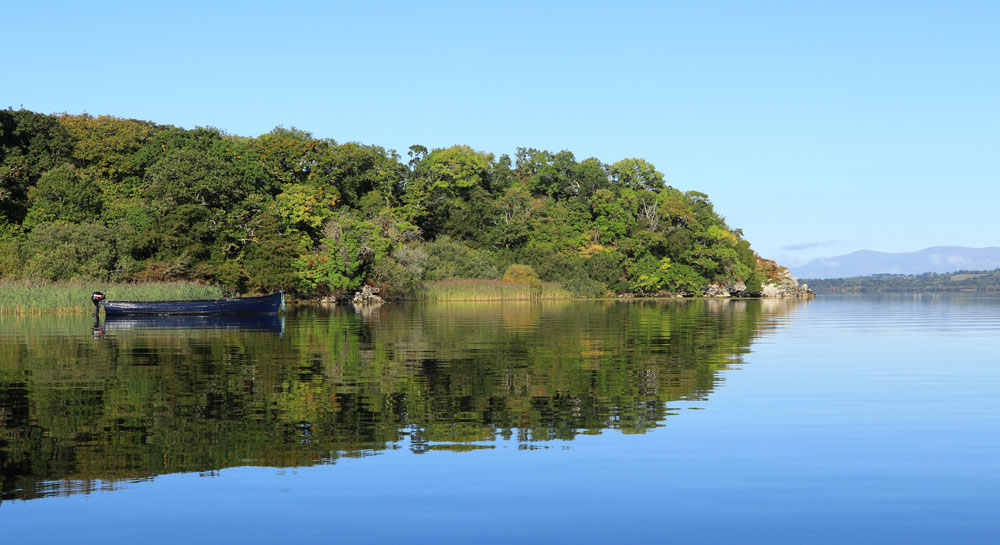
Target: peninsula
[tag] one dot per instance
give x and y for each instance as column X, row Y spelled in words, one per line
column 111, row 199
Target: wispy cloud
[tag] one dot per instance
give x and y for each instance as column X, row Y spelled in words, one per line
column 807, row 245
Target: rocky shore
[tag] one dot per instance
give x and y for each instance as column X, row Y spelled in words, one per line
column 784, row 286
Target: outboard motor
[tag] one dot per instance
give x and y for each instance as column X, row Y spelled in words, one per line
column 96, row 298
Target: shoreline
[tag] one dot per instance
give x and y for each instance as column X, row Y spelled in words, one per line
column 20, row 298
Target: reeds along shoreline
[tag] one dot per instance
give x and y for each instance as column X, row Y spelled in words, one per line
column 33, row 296
column 489, row 290
column 36, row 297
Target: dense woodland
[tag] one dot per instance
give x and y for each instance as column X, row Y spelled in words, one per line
column 105, row 198
column 960, row 281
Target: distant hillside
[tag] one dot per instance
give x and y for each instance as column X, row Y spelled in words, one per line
column 939, row 259
column 961, row 281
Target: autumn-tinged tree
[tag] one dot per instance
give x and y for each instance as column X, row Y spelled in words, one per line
column 288, row 210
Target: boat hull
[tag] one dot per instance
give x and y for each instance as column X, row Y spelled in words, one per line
column 265, row 304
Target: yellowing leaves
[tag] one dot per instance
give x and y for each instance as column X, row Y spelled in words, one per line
column 721, row 234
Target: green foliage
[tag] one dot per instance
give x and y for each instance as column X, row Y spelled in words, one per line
column 754, row 282
column 566, row 269
column 959, row 281
column 357, row 169
column 549, row 174
column 287, row 210
column 64, row 193
column 104, row 147
column 10, row 257
column 611, row 222
column 347, row 250
column 524, row 274
column 68, row 251
column 394, row 279
column 268, row 259
column 177, row 241
column 447, row 258
column 521, row 274
column 636, row 174
column 607, row 266
column 649, row 275
column 456, row 168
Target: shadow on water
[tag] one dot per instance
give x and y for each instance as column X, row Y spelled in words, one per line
column 85, row 408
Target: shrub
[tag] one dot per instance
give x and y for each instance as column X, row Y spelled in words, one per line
column 651, row 275
column 606, row 267
column 10, row 257
column 448, row 258
column 393, row 279
column 524, row 274
column 66, row 251
column 755, row 282
column 521, row 274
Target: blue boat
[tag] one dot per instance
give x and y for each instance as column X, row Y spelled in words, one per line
column 264, row 304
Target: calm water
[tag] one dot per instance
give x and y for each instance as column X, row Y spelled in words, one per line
column 838, row 420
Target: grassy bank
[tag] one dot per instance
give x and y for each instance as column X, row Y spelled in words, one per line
column 32, row 296
column 489, row 290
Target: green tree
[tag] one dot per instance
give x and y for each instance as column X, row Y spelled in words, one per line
column 347, row 250
column 69, row 251
column 64, row 193
column 30, row 145
column 611, row 221
column 104, row 147
column 636, row 174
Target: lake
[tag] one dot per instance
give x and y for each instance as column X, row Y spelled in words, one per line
column 868, row 419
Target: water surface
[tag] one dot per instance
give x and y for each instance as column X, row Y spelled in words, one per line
column 862, row 419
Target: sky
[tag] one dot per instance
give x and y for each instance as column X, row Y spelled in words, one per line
column 818, row 128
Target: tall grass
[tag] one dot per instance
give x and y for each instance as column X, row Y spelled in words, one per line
column 489, row 290
column 32, row 296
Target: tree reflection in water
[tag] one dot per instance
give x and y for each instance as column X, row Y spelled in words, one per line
column 81, row 411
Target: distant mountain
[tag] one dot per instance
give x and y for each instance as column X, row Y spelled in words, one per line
column 939, row 259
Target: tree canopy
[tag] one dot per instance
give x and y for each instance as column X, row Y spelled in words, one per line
column 287, row 210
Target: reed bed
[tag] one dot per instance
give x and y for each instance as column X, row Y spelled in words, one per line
column 36, row 297
column 490, row 290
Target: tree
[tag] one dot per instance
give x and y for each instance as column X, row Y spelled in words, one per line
column 438, row 183
column 30, row 145
column 610, row 218
column 590, row 175
column 348, row 249
column 304, row 208
column 356, row 169
column 64, row 193
column 69, row 251
column 456, row 169
column 636, row 174
column 177, row 241
column 104, row 147
column 547, row 173
column 292, row 156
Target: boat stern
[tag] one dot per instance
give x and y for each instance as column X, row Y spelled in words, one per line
column 96, row 298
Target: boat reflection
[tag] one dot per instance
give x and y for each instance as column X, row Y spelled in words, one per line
column 252, row 322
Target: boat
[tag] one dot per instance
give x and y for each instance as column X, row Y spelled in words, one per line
column 264, row 304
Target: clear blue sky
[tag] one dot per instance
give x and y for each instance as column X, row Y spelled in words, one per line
column 817, row 128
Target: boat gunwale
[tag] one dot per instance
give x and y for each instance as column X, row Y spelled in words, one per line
column 224, row 300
